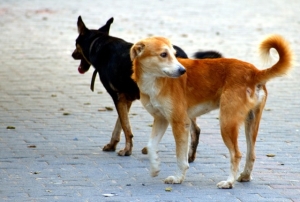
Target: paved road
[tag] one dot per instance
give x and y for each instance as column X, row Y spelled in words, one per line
column 50, row 156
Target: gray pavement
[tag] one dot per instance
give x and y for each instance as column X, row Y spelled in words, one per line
column 50, row 156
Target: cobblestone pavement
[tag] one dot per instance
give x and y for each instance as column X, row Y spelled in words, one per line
column 55, row 151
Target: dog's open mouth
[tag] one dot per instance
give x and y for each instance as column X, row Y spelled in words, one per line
column 83, row 67
column 80, row 70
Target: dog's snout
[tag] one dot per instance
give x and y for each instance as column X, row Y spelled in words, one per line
column 181, row 70
column 76, row 55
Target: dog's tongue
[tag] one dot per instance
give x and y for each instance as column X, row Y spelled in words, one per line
column 80, row 70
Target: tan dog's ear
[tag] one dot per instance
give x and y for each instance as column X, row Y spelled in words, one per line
column 136, row 50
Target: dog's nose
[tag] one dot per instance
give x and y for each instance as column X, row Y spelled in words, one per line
column 181, row 70
column 74, row 55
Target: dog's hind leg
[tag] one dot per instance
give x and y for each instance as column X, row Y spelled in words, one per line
column 181, row 131
column 115, row 137
column 123, row 106
column 160, row 125
column 195, row 134
column 229, row 133
column 251, row 131
column 232, row 115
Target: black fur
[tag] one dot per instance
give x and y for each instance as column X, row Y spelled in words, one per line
column 110, row 57
column 207, row 54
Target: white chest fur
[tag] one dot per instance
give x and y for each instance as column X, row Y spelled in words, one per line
column 150, row 98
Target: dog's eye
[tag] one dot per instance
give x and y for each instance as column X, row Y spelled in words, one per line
column 164, row 54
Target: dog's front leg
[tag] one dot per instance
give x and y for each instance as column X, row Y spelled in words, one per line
column 181, row 134
column 159, row 127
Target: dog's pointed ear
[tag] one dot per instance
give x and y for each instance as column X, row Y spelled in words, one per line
column 106, row 27
column 136, row 50
column 81, row 26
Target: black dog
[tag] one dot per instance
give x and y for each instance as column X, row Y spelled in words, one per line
column 110, row 58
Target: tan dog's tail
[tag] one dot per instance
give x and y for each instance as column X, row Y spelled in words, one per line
column 285, row 58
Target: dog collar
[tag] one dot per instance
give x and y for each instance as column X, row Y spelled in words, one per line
column 95, row 72
column 91, row 46
column 93, row 80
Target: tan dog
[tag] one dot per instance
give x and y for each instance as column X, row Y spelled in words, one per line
column 172, row 96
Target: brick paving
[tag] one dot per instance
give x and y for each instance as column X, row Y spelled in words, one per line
column 50, row 156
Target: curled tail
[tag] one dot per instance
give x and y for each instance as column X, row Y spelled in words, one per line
column 284, row 63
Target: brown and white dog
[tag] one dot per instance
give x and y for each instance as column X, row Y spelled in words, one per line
column 177, row 90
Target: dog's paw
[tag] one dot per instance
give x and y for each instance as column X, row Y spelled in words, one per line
column 244, row 178
column 155, row 168
column 225, row 185
column 173, row 180
column 109, row 147
column 124, row 152
column 154, row 172
column 145, row 150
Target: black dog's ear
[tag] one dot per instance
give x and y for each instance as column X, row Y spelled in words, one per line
column 106, row 27
column 81, row 26
column 136, row 50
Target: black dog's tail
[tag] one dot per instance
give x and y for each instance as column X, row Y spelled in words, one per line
column 207, row 54
column 198, row 55
column 179, row 52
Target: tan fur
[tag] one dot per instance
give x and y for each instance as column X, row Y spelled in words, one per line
column 236, row 87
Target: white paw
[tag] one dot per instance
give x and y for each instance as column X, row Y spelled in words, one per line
column 154, row 169
column 173, row 180
column 225, row 185
column 154, row 172
column 244, row 178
